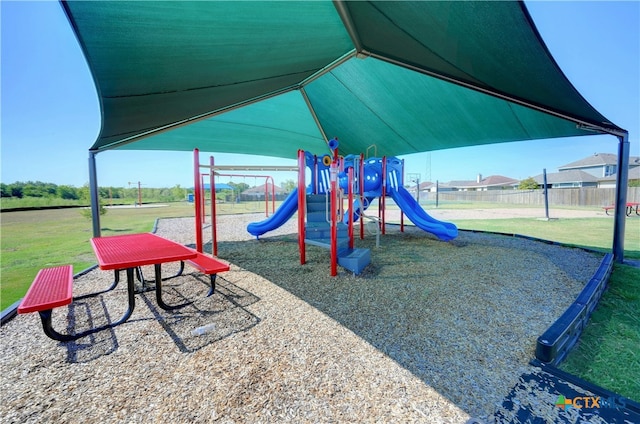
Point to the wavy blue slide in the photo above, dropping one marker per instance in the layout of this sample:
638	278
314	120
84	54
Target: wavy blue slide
443	230
282	215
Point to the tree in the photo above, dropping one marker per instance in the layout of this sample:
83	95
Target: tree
16	189
5	190
239	187
528	184
67	192
83	192
178	193
289	186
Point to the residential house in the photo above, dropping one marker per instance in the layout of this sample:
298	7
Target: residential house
610	181
258	192
567	179
493	182
598	170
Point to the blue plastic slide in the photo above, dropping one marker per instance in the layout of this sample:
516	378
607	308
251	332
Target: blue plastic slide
282	215
443	230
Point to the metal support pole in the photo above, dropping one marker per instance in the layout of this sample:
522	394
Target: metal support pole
93	194
333	176
350	208
197	198
361	190
622	177
334	218
214	223
302	193
384	194
546	193
402	185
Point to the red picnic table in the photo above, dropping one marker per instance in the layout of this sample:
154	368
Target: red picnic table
53	287
130	251
630	208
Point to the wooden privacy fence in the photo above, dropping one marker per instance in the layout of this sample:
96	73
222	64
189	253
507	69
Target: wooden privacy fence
585	196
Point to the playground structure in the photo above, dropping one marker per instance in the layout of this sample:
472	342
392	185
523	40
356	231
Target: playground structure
199	193
322	219
331	175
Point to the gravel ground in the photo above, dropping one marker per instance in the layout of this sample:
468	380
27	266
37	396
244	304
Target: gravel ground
430	332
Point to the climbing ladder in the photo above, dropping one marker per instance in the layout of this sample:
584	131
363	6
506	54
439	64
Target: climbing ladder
318	233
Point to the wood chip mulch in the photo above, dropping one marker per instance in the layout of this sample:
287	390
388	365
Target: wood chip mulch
430	332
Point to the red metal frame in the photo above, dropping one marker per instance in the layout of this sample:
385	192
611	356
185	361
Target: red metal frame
361	183
402	185
384	193
203	203
301	206
350	208
214	223
197	198
334	213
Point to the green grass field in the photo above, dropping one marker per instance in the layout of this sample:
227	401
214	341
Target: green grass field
606	354
35	239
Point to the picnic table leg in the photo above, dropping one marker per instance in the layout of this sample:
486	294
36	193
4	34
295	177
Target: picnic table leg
158	272
116	280
47	326
177	274
212	289
45	317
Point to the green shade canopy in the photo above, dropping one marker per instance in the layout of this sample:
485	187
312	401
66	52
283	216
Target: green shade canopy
269	78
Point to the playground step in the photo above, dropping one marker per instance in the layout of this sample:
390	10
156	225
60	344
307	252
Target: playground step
316	198
343	243
315	230
316	203
354	260
317	216
324	234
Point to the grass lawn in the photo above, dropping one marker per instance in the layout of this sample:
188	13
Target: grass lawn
591	233
607	353
32	240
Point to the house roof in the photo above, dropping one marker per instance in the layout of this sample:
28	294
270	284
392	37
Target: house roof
423	185
261	189
269	78
569	176
490	181
598	159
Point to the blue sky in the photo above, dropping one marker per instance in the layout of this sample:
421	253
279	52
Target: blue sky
50	113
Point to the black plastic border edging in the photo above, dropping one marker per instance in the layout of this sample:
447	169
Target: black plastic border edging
555	343
10	312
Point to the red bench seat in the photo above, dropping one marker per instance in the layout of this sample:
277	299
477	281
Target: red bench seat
52	287
210	266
